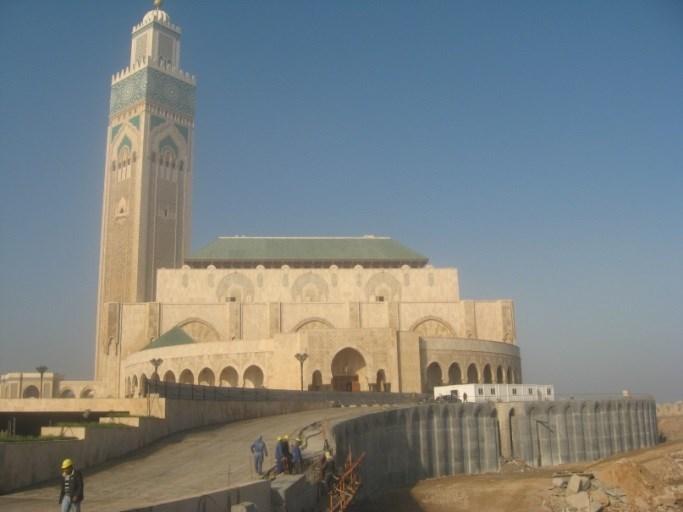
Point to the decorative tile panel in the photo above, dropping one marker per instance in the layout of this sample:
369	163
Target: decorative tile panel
156	87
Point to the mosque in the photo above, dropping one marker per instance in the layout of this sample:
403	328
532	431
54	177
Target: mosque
343	313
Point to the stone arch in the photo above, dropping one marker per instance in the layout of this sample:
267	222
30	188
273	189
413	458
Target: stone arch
186	377
206	377
513	433
434	376
488	377
509	376
313	323
515	377
381	380
253	377
472	374
454	374
88	393
433	326
169	377
31	392
229	377
309	287
384	285
134	386
143	385
67	393
500	375
199	330
347	365
316	381
235	286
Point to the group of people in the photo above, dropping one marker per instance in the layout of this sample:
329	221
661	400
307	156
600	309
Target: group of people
288	458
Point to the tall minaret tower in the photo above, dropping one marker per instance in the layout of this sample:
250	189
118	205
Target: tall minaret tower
147	178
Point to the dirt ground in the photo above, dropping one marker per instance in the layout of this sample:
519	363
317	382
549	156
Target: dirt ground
648	480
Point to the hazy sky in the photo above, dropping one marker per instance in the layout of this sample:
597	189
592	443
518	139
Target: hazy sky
536	146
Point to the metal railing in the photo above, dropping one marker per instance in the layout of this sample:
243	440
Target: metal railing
173	390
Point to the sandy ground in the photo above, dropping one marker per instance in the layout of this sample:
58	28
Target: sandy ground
650	479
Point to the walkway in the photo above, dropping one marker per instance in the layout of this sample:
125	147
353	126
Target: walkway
184	464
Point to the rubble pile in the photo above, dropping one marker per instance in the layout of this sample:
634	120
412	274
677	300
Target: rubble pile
638	490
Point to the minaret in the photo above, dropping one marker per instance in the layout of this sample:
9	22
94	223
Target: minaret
147	177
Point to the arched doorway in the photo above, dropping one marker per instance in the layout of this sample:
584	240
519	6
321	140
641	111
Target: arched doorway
488	378
206	377
67	393
433	376
169	377
472	374
253	377
316	381
31	392
87	393
381	381
186	377
229	377
454	374
346	367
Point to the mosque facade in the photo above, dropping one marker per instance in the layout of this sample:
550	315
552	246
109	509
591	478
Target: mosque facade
360	313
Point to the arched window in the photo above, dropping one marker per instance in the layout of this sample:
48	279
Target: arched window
472	374
454	374
499	375
206	377
169	376
229	377
253	377
186	377
433	376
488	378
316	381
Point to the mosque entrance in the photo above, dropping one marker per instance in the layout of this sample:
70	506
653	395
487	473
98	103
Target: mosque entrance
346	367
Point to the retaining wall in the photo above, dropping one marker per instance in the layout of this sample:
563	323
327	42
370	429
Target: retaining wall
406	445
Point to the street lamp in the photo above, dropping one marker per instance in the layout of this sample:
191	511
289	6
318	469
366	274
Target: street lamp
156	362
41	369
301	357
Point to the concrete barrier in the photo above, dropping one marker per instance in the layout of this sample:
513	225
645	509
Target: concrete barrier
220	500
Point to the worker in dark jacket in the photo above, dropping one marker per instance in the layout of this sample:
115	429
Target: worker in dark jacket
297	459
71	495
279	456
286	454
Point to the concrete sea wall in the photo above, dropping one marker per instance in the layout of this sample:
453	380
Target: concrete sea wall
405	445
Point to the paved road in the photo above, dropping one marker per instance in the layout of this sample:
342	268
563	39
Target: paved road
185	464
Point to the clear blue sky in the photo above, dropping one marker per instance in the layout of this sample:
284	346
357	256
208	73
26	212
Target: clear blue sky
535	145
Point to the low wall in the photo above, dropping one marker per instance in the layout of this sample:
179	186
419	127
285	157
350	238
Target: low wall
406	445
257	492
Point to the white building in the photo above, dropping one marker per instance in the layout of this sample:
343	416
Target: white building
496	392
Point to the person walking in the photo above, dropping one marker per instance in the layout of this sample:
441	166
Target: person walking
259	451
297	459
71	494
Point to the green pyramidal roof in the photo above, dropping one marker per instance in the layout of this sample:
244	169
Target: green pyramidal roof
321	250
175	336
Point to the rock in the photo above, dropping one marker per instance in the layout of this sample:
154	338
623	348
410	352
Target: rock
578	483
578	501
559	482
600	496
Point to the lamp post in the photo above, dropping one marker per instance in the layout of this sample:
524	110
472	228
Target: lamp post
156	362
41	369
301	357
